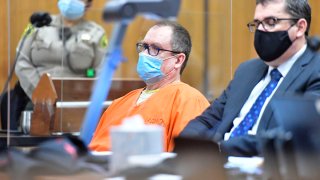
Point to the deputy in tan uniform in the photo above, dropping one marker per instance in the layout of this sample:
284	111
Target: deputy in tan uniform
70	46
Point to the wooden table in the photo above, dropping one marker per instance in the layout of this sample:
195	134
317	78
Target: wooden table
22	140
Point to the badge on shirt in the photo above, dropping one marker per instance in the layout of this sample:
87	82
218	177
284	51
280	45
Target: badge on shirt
85	37
103	41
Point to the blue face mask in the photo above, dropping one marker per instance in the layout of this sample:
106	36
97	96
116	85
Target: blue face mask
71	9
149	68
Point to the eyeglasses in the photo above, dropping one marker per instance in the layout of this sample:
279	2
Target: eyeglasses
268	23
152	49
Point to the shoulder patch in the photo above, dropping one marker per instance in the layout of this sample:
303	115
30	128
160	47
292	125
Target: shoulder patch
29	29
103	41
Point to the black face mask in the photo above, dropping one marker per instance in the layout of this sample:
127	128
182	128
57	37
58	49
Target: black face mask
271	45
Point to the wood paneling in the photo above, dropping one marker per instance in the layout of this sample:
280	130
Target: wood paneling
3	42
315	24
230	43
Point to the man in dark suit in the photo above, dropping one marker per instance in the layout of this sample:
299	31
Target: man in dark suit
286	66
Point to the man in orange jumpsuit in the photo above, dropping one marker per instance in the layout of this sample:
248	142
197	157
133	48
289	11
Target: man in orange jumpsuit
165	101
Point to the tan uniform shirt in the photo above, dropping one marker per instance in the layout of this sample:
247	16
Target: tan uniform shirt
44	52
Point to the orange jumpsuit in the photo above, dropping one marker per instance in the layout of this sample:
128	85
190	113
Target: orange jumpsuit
172	107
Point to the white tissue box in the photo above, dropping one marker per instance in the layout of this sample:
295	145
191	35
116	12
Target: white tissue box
134	139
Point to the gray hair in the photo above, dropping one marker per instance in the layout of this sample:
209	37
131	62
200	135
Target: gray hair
180	39
296	8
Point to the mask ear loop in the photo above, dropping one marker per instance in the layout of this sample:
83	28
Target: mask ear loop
176	58
290	28
165	75
292	41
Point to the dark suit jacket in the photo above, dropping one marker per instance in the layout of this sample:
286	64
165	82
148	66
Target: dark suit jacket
303	78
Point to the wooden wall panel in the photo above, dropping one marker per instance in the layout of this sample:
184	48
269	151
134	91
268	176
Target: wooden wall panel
230	43
242	38
220	45
3	42
315	22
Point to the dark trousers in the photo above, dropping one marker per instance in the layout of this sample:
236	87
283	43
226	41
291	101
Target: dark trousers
18	103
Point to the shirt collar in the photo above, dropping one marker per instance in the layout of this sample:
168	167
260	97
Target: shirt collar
286	66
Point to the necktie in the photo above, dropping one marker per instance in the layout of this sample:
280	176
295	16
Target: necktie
253	114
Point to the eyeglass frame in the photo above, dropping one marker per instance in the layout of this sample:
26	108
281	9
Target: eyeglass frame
147	46
256	23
